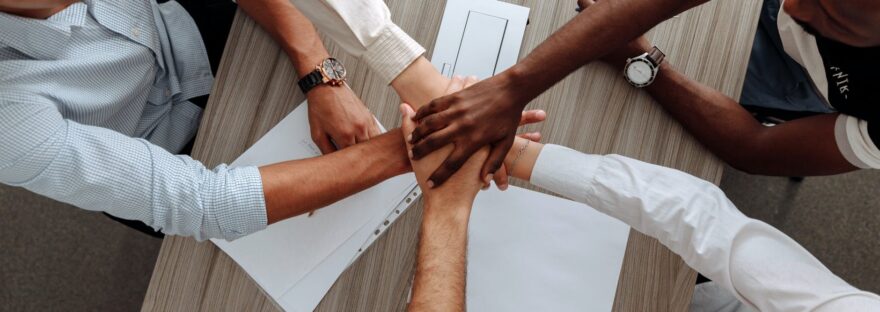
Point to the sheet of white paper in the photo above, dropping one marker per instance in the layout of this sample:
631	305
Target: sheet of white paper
480	38
309	292
280	256
529	251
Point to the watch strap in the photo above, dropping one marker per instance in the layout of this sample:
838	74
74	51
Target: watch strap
656	56
310	81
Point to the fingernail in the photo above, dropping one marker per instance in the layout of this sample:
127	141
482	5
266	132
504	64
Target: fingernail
409	138
502	187
489	177
410	154
430	184
541	114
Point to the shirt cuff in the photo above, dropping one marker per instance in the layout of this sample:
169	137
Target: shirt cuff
565	171
392	52
854	141
238	203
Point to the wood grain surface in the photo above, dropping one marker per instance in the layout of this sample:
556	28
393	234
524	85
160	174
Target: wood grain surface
593	110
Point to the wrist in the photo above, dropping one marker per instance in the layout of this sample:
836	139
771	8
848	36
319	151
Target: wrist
305	62
392	149
516	83
446	212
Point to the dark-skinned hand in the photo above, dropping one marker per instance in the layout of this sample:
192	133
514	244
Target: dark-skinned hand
485	114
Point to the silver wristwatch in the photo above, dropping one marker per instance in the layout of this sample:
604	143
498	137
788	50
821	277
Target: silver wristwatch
641	70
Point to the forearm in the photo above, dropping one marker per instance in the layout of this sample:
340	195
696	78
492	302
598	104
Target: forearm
296	187
291	29
419	83
440	279
733	134
593	33
694	219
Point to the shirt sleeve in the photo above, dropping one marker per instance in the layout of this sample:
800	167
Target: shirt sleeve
102	170
857	140
761	265
364	29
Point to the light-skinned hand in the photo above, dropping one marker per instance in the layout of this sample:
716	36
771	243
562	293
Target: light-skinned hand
337	115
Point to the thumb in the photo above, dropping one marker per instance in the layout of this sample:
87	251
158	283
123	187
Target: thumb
407	124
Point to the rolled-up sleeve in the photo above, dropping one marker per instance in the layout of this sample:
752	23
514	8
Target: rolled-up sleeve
102	170
759	264
364	29
857	140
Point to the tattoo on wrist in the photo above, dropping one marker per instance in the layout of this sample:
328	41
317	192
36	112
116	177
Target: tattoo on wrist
518	156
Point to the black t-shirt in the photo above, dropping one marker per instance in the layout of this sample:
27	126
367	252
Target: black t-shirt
853	81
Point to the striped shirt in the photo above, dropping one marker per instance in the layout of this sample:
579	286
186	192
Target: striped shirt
94	100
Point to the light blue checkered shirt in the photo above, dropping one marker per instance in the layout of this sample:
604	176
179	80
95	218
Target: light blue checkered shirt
91	102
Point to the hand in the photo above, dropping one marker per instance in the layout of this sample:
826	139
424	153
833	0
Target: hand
528	117
337	114
465	183
619	56
485	114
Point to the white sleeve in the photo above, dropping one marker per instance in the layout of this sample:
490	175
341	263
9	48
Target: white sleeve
364	29
762	266
855	142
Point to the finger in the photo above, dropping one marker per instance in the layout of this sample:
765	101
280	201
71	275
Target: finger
362	138
532	116
436	106
407	124
374	130
455	85
346	141
323	143
429	125
470	80
442	103
433	142
531	136
451	165
501	178
496	158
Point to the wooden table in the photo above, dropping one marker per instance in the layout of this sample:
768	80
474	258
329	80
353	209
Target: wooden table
593	110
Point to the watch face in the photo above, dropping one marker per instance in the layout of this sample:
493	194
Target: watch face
639	72
334	69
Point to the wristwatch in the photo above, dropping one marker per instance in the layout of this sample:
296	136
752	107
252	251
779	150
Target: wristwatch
330	71
641	70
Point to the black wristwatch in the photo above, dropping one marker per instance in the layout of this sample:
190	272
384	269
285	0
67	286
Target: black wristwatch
330	71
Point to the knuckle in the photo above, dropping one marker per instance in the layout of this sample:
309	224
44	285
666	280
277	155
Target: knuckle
434	105
431	141
418	150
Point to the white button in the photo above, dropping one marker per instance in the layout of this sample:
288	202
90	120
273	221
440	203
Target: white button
136	32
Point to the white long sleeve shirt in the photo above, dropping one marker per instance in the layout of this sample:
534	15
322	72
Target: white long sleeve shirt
762	266
364	29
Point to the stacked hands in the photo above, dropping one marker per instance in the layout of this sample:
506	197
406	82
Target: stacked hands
486	114
465	182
